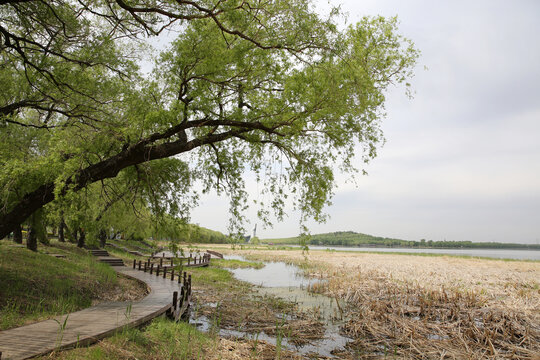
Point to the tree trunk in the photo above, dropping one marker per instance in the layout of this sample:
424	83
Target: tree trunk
82	238
143	151
61	230
102	238
31	241
73	236
17	234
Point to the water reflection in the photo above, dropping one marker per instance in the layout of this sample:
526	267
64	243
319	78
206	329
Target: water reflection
287	282
273	274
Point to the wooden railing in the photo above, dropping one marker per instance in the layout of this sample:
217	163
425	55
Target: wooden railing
188	261
215	253
180	304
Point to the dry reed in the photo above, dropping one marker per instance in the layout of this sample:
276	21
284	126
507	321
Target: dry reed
429	307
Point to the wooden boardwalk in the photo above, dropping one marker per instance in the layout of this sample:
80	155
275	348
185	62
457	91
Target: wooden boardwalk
89	325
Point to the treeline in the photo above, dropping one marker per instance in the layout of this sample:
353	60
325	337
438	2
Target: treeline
351	238
203	235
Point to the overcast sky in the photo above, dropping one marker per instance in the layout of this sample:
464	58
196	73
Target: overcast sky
462	159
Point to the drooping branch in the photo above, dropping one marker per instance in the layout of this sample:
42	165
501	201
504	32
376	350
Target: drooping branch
136	154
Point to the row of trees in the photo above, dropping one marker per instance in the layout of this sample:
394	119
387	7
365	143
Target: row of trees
265	86
350	238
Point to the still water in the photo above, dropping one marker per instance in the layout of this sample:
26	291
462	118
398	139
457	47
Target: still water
491	253
287	282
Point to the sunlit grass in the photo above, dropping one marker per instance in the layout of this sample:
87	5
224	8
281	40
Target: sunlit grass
161	339
236	264
35	285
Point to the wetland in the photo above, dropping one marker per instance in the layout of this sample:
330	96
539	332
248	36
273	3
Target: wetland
413	306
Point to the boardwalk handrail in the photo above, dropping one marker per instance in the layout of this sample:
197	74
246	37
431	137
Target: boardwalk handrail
215	253
167	261
179	305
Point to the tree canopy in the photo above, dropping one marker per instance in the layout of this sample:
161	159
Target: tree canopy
267	87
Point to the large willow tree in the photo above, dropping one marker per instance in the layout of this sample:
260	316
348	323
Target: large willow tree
265	86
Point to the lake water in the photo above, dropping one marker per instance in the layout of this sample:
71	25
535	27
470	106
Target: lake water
287	282
491	253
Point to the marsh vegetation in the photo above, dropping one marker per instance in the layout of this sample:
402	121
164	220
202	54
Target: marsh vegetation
427	307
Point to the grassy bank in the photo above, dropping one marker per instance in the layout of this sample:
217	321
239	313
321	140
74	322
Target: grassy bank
224	303
37	286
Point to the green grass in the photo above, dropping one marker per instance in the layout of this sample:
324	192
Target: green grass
161	339
35	286
124	255
212	276
236	264
134	245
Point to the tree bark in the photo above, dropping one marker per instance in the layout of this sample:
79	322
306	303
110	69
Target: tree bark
31	241
102	238
61	230
73	236
17	234
82	238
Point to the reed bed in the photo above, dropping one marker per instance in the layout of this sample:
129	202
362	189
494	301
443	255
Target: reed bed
385	318
428	307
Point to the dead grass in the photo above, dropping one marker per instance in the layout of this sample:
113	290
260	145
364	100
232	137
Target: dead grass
429	307
240	349
238	307
127	289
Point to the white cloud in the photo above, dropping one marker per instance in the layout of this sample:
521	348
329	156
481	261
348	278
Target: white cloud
462	159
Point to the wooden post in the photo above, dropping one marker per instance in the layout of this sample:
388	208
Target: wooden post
161	262
185	277
157	271
182	294
163	254
140	263
145	266
164	272
174	300
189	284
180	277
134	263
188	260
172	274
151	268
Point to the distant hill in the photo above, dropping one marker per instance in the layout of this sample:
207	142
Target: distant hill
351	238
